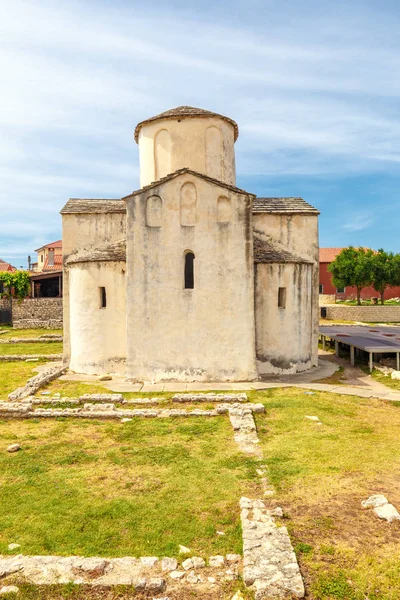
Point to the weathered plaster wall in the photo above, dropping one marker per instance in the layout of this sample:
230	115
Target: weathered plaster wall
84	231
206	333
36	313
298	234
205	145
98	335
283	335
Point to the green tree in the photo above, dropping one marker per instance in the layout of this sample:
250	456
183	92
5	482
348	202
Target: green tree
16	282
383	275
352	268
395	280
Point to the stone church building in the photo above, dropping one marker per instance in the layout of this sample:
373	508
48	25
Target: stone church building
190	278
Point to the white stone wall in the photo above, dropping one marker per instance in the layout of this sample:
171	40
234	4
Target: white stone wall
298	234
80	232
283	335
98	335
204	334
202	144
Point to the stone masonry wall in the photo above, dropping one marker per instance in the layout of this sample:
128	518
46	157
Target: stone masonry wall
369	314
35	313
4	303
325	299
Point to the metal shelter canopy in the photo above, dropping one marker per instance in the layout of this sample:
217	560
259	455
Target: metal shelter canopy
374	340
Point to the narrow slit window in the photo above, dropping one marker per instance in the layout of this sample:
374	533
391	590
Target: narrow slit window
189	271
282	297
103	297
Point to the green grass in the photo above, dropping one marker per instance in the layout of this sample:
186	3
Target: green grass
321	473
367	302
394	384
34	348
28	333
141	488
15	374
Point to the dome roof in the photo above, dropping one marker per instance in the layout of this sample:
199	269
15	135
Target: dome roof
185	112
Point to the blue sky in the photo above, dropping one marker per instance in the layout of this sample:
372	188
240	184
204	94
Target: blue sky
314	86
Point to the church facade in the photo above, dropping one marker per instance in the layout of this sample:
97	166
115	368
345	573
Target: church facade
190	278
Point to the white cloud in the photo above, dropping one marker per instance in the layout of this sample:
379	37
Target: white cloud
358	221
314	87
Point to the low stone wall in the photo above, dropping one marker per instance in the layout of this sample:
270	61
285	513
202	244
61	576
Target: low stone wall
368	314
325	299
37	313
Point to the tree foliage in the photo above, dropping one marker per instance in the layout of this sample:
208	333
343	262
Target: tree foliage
16	283
360	267
353	267
382	272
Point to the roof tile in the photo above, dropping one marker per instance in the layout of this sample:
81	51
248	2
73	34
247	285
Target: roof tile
289	205
93	206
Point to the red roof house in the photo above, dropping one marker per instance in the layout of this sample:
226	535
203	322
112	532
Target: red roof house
5	266
328	255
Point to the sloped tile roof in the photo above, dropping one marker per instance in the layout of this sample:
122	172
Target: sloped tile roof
57	244
57	263
268	251
185	112
222	184
290	205
328	255
5	266
115	251
93	205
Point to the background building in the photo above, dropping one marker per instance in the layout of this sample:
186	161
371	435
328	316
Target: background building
46	272
328	255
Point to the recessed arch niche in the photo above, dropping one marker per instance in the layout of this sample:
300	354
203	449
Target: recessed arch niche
224	210
162	154
154	211
188	204
213	152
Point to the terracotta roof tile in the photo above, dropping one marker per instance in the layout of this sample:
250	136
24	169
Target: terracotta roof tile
290	205
328	255
58	260
57	244
185	112
5	266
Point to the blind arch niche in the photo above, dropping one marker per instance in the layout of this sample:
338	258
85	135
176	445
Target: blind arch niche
188	204
162	154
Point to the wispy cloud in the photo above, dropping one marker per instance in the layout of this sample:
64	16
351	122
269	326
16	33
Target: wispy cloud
358	221
314	87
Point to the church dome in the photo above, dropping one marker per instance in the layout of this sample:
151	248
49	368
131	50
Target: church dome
185	112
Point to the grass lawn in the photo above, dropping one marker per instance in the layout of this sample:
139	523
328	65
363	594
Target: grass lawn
15	374
385	379
28	333
112	489
34	348
322	472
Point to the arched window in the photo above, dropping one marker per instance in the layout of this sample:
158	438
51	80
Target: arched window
189	271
